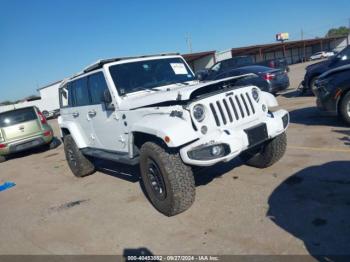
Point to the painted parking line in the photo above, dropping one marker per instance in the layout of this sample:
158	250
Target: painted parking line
324	149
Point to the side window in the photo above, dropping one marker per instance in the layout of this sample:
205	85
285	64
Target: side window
70	94
225	64
346	53
97	85
81	93
63	94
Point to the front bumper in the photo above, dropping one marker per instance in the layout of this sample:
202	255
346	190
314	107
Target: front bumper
325	100
25	144
327	105
236	139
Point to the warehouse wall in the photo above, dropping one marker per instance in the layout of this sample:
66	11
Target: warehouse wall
202	63
219	56
49	97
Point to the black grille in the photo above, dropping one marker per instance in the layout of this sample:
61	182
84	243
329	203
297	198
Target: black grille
233	108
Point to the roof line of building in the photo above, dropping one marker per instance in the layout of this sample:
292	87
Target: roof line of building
288	42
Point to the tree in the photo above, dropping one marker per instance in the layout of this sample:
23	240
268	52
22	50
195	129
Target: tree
340	31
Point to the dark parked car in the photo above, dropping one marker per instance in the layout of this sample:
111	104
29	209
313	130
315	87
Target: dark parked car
236	62
333	92
267	79
315	70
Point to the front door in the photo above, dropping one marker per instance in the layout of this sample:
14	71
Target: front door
107	128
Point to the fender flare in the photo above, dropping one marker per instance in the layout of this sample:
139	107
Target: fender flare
75	132
179	130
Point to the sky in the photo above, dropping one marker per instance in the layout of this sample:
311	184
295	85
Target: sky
44	41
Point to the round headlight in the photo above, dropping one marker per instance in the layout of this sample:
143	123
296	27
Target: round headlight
199	112
255	94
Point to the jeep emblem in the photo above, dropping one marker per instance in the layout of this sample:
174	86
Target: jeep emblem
229	94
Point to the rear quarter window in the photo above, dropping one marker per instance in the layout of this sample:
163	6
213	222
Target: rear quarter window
17	116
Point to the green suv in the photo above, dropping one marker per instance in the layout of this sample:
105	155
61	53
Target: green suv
23	129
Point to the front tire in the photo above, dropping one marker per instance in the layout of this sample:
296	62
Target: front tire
78	163
168	182
268	154
2	159
344	108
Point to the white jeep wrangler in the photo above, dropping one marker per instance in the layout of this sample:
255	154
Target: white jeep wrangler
152	111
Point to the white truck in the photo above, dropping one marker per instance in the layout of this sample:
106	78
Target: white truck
152	111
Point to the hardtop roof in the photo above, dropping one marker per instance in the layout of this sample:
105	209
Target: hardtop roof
99	63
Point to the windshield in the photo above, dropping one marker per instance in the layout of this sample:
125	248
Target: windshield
149	74
18	116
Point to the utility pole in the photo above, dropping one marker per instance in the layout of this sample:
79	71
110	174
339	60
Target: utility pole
347	39
302	34
189	42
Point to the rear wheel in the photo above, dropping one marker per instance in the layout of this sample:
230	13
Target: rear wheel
78	163
2	159
344	108
267	154
169	183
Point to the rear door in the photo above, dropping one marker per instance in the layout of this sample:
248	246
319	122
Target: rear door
19	124
77	108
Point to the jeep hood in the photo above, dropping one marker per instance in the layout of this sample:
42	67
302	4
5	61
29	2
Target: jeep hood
173	94
320	66
335	70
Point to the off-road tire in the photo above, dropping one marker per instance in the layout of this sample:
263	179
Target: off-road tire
268	154
343	108
177	178
78	163
2	159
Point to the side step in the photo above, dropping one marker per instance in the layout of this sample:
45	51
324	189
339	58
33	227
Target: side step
112	156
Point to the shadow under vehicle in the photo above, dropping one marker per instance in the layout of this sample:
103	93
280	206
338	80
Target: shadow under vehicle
314	206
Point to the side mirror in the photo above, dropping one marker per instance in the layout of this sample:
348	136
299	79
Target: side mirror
107	99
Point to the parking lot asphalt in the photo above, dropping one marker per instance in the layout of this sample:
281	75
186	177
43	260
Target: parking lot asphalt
298	206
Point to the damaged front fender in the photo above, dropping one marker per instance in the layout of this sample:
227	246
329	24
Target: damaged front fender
179	130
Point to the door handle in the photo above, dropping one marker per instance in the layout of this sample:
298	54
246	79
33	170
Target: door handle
75	114
92	113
